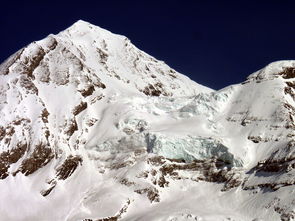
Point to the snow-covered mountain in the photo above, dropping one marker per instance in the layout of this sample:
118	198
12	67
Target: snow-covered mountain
92	129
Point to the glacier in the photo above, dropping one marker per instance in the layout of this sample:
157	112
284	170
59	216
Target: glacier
94	129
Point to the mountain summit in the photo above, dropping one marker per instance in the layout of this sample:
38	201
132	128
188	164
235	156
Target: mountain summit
92	129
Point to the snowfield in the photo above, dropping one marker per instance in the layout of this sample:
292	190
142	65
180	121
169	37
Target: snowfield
94	129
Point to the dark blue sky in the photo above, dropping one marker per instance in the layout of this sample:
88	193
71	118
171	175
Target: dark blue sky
216	43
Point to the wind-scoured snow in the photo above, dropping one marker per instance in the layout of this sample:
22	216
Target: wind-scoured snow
92	128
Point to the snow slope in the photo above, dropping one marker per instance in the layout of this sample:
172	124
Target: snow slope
92	128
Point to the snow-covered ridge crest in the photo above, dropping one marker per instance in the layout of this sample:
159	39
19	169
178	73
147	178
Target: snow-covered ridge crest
273	70
127	63
93	128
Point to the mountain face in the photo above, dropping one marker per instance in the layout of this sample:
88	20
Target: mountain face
92	129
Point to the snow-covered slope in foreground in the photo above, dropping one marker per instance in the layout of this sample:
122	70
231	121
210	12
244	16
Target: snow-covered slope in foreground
92	128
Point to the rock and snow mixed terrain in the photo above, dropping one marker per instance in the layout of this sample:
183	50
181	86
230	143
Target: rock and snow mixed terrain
92	129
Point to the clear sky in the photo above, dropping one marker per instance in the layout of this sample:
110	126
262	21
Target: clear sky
215	43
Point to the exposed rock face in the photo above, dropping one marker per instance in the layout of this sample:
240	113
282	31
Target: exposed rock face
40	156
10	157
68	167
95	129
